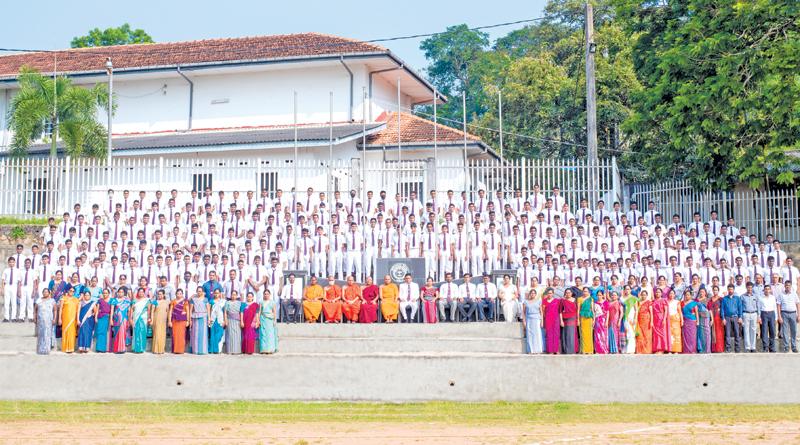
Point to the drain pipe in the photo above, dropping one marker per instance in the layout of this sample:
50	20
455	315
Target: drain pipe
349	110
398	67
191	97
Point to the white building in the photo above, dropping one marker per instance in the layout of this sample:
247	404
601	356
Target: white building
231	102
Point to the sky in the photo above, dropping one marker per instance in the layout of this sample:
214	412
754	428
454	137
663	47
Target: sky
51	24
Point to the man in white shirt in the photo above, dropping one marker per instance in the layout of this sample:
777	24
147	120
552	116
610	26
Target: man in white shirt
290	300
467	301
487	299
409	299
10	287
448	298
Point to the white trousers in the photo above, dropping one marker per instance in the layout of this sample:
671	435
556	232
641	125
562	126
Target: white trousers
25	304
10	302
414	305
430	264
354	262
318	264
335	264
750	327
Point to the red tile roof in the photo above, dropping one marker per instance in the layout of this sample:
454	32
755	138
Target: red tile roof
414	129
187	53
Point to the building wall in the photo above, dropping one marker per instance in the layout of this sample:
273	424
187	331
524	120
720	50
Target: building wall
256	96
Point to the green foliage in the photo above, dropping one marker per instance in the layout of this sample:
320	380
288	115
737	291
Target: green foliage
686	89
72	110
17	233
11	221
721	102
121	35
540	71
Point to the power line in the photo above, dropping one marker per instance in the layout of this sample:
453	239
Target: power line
106	50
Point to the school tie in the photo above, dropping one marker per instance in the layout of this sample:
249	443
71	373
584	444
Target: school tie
485	291
409	292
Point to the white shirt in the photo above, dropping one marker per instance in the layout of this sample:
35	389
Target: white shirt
409	291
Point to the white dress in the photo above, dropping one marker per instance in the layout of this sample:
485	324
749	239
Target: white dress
509	303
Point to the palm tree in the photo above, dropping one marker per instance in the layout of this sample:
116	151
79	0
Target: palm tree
70	111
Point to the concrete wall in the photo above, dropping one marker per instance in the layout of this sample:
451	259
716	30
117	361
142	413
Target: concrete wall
236	97
402	377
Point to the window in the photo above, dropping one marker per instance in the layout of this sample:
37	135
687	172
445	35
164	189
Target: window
200	181
268	181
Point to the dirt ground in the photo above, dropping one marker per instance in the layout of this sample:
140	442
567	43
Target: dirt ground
35	432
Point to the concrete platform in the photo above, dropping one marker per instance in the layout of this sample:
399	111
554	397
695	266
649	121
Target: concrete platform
353	338
401	377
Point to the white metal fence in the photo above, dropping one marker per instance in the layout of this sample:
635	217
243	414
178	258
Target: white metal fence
43	187
762	212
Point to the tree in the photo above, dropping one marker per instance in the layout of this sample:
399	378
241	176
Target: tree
122	35
721	90
70	111
453	55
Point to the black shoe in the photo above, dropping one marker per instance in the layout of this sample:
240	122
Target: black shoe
5	321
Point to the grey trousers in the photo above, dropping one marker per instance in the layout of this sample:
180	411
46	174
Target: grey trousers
750	330
789	330
444	304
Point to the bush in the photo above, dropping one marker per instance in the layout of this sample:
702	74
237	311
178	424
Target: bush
17	233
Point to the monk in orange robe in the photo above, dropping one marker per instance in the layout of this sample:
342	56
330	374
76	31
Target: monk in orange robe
332	304
351	305
390	305
312	301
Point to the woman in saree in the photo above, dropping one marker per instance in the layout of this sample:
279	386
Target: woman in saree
550	319
644	324
428	295
159	313
120	308
568	319
600	309
532	323
661	289
660	311
140	320
102	319
86	322
264	319
630	319
704	323
614	323
44	316
177	321
58	288
250	322
68	320
675	323
717	328
690	322
216	320
586	316
369	303
390	305
234	324
199	323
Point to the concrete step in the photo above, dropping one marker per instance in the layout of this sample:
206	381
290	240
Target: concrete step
375	330
400	344
355	345
402	330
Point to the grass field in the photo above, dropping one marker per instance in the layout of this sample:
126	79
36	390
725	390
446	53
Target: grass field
435	412
412	423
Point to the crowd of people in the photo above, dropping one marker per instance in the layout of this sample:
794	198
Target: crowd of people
206	270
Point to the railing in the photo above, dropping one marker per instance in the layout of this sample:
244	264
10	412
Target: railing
43	187
762	212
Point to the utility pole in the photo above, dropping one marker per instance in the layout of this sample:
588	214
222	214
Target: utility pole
591	104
